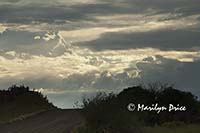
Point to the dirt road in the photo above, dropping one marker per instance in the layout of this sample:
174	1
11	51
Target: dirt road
56	121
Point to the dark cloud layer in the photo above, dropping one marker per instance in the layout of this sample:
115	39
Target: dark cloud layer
14	13
36	13
161	39
184	75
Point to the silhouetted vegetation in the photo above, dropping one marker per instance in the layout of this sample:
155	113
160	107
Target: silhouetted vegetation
19	101
108	113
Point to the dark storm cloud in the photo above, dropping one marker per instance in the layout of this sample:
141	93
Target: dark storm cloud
10	1
14	13
58	14
51	14
185	75
161	39
138	6
183	7
36	13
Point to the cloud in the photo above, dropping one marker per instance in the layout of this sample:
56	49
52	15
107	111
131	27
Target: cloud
46	2
83	69
60	11
151	69
87	72
93	19
185	75
2	28
165	39
34	43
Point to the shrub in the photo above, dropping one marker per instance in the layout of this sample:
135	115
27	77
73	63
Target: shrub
108	112
102	114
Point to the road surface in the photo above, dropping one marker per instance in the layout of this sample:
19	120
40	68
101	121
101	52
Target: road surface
55	121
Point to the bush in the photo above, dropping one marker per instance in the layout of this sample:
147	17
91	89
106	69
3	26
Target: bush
102	114
108	112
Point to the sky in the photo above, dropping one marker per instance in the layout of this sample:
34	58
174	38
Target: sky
68	49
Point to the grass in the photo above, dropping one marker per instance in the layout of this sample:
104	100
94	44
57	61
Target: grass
193	128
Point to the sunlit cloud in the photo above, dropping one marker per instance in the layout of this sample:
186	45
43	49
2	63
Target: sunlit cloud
2	28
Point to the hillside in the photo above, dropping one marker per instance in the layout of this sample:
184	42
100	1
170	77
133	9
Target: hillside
19	102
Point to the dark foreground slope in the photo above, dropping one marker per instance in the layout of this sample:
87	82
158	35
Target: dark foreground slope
54	121
23	110
18	102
